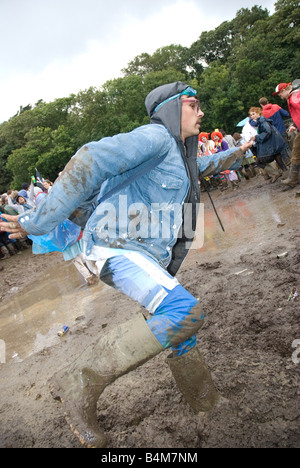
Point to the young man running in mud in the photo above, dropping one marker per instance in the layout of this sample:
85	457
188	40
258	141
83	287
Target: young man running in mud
141	191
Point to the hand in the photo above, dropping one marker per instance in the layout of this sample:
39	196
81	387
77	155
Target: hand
12	226
246	146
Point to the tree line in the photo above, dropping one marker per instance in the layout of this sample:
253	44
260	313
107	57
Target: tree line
231	67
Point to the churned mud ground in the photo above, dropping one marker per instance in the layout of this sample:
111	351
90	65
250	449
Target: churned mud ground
248	340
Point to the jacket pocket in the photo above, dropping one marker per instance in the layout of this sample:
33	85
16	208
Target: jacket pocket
166	180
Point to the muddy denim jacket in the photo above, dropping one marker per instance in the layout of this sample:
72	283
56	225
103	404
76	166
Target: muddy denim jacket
146	215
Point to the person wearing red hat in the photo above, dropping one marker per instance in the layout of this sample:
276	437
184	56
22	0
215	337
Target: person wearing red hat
292	95
280	88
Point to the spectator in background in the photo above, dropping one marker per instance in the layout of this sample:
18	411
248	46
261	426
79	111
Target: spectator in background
229	139
220	143
47	185
6	208
21	200
11	195
269	144
249	130
275	113
205	145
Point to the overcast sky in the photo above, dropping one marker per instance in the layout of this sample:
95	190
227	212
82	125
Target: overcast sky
52	48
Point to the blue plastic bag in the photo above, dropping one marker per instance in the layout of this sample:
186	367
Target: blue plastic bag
64	235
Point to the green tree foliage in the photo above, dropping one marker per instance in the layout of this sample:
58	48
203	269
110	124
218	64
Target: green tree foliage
231	66
23	139
174	57
257	51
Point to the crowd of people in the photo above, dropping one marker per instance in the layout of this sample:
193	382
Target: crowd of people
14	203
220	141
270	155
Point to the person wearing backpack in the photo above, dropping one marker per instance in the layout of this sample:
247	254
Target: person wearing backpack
268	144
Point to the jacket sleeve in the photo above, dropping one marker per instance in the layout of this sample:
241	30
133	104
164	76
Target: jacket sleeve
265	132
89	168
284	113
222	161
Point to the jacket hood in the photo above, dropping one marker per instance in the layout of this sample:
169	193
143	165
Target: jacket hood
169	113
163	105
268	107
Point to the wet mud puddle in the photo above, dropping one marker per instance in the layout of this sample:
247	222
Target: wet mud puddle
30	321
247	223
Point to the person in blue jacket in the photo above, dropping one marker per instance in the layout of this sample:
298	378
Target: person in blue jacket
268	143
277	114
137	195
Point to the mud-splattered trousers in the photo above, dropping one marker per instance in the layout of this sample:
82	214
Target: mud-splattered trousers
176	314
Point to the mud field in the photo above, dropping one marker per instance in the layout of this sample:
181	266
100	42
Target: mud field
247	339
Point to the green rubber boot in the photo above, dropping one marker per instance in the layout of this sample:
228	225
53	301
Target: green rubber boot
80	385
194	380
293	177
196	385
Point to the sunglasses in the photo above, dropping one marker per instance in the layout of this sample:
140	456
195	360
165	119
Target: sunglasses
195	102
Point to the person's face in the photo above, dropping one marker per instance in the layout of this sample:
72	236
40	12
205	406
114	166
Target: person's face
21	200
204	139
46	185
216	138
284	93
254	115
191	116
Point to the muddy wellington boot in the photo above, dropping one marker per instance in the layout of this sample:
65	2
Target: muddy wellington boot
265	174
80	385
5	253
194	381
196	385
293	177
273	172
252	171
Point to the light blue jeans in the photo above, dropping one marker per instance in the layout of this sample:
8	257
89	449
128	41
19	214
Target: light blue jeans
176	314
